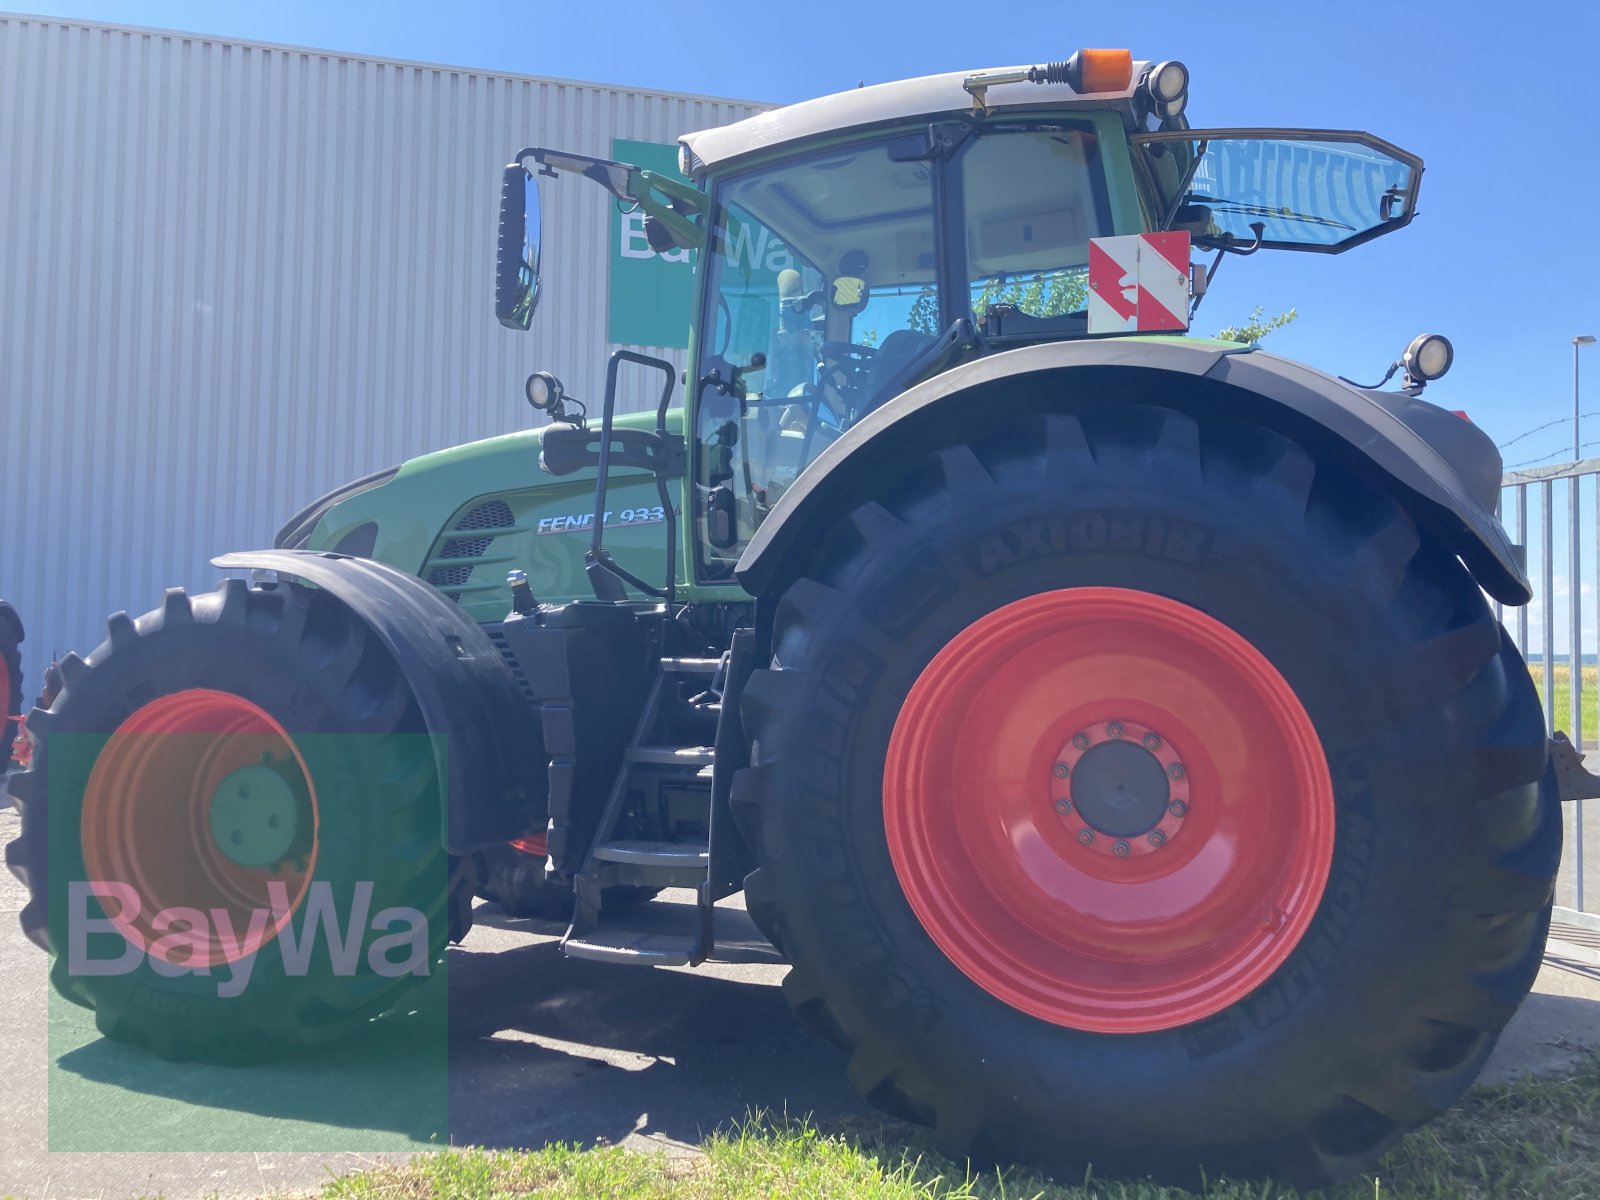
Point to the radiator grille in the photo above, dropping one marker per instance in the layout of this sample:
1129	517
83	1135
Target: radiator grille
491	514
453	578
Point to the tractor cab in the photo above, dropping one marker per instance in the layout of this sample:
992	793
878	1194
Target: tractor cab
854	246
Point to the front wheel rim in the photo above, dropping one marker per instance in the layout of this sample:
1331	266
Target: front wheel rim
1190	859
151	827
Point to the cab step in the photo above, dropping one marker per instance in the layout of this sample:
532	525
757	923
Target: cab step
655	854
651	864
629	947
672	931
691	666
672	756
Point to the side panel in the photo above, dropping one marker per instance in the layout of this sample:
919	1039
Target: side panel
461	518
1257	386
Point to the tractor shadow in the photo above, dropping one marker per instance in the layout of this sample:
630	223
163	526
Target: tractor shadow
514	1045
549	1049
383	1089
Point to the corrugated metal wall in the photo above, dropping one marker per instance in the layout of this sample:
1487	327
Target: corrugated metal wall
236	275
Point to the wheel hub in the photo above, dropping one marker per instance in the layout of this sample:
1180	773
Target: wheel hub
1120	788
255	816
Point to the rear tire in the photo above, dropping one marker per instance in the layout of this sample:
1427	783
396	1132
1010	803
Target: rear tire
1419	947
283	677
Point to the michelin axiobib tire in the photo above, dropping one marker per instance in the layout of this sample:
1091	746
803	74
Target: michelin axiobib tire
1139	791
252	756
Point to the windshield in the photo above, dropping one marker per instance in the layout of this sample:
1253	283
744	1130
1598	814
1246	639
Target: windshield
822	295
1299	190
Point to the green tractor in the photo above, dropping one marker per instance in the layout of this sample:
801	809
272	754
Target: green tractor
1109	727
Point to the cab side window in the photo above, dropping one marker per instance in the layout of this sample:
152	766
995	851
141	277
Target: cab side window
1034	196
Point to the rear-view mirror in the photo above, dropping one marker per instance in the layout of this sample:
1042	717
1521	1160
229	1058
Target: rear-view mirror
516	288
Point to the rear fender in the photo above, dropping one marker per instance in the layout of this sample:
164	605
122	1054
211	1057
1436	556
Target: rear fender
1448	485
486	735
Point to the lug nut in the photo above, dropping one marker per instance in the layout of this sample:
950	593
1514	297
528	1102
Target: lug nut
1158	839
1120	849
1152	742
1063	807
1114	729
1080	741
1175	770
1177	808
1086	836
1061	770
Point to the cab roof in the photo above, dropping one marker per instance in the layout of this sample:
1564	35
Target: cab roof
928	96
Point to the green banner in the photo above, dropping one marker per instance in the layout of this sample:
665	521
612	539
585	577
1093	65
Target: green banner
651	293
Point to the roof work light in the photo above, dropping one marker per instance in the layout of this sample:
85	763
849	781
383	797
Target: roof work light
1427	357
1167	85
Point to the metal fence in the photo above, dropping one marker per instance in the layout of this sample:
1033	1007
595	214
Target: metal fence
1554	513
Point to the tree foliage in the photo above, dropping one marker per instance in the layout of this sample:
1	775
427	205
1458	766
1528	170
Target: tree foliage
1254	329
1056	293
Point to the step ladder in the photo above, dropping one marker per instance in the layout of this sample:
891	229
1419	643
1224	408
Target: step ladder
652	933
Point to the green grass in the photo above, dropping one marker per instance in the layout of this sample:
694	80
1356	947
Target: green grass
1533	1140
1562	691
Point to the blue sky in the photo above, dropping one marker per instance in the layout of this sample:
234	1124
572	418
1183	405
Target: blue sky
1498	99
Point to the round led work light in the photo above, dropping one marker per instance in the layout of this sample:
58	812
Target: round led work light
1168	86
1428	357
543	391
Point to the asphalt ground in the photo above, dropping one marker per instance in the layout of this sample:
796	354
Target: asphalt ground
539	1048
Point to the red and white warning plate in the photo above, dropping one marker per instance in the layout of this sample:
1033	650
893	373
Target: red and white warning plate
1139	283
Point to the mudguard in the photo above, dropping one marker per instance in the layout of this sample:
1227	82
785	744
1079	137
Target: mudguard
486	734
1447	495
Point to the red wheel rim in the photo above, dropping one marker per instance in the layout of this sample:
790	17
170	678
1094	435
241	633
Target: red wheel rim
1019	879
146	826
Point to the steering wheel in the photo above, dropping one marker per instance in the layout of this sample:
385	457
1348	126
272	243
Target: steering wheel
844	367
844	352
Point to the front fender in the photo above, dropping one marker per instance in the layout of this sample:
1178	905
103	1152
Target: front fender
486	736
1447	495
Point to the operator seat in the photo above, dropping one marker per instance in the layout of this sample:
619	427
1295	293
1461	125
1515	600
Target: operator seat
891	370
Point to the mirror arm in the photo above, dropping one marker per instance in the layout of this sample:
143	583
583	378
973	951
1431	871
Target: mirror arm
643	187
1183	185
1256	227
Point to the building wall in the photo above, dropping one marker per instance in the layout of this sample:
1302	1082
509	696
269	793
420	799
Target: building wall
236	275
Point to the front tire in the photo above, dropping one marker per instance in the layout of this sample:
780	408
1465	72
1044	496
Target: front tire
10	681
1008	1001
250	754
